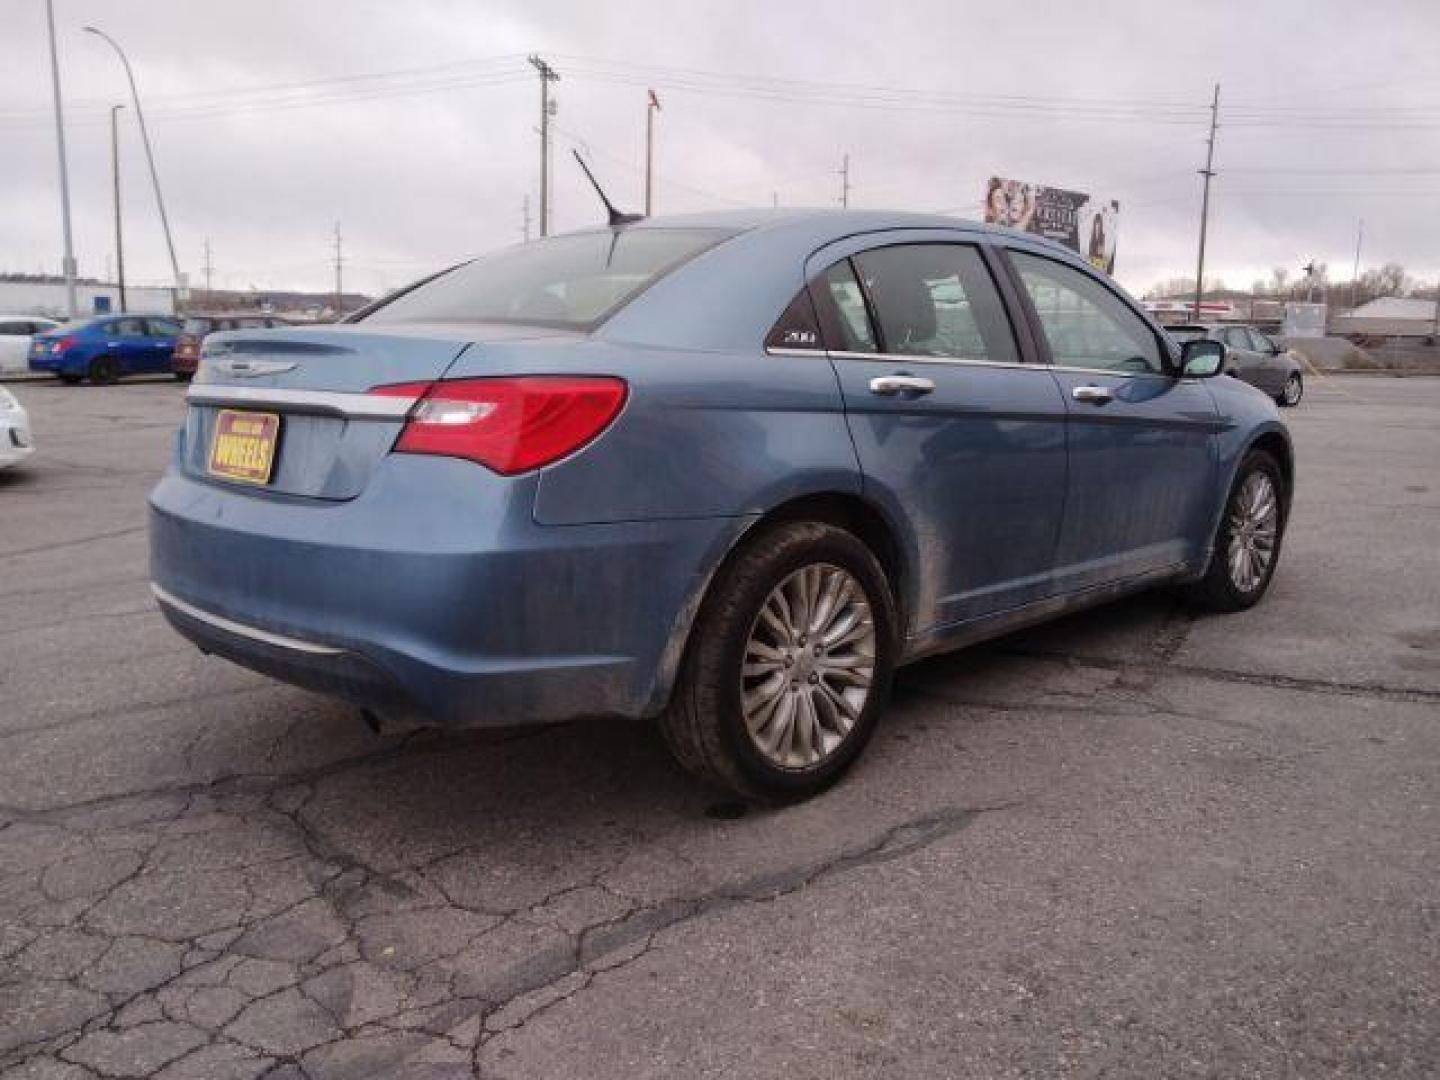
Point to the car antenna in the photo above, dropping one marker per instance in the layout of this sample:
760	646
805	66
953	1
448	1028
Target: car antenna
617	219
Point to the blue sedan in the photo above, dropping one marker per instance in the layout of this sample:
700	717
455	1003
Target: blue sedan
726	471
102	350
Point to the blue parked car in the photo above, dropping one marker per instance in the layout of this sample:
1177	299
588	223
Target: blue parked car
104	349
727	471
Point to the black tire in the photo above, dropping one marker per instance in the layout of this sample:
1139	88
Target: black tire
1294	390
70	380
1217	590
705	726
104	370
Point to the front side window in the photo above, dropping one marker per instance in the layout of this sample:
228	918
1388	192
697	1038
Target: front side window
1085	324
936	300
163	328
569	282
127	328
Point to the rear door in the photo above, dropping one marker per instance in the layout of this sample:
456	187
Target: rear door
129	343
955	432
1140	439
160	337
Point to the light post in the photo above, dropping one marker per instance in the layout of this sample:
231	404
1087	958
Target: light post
115	181
149	154
69	264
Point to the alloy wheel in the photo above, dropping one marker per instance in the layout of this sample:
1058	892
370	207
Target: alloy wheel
1293	390
809	663
1254	525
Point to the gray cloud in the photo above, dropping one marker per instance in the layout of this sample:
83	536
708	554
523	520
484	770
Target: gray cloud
429	166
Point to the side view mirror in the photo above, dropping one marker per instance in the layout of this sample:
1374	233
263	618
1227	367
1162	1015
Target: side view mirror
1201	359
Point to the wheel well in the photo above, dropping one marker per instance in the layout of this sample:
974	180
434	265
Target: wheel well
855	515
1276	446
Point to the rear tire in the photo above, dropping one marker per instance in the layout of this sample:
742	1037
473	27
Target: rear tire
1294	390
1248	539
104	370
776	708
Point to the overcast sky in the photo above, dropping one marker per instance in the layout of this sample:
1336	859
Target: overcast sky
412	124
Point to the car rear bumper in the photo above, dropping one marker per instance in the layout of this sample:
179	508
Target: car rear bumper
458	611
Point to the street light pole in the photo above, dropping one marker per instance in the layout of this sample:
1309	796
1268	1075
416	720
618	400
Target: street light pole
115	180
651	108
69	263
149	153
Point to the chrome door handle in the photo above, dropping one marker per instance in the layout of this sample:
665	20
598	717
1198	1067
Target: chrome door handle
1095	395
887	385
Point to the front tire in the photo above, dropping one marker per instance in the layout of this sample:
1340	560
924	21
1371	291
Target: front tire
1247	542
1294	390
788	666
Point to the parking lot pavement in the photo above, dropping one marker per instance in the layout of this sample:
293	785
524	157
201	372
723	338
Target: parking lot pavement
1132	844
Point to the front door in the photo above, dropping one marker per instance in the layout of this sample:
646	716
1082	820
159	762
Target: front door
955	433
1140	439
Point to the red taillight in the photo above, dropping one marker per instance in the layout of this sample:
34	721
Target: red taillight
511	425
63	344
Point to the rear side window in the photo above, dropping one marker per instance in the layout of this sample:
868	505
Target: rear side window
843	290
936	300
568	282
1086	325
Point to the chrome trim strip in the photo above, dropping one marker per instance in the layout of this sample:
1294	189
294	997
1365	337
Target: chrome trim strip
780	351
240	629
956	361
328	402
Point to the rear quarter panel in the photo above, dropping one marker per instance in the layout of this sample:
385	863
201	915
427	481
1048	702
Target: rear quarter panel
723	433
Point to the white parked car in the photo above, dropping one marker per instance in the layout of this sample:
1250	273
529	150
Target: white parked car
15	334
15	445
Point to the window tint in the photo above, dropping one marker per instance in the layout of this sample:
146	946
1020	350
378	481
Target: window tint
936	300
163	327
1085	324
1258	341
844	292
126	328
564	281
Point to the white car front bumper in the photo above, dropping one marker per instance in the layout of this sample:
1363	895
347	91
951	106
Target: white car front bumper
15	444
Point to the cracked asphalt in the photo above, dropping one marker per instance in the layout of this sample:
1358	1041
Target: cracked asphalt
1133	843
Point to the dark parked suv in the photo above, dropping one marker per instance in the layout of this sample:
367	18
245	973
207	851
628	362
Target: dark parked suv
186	357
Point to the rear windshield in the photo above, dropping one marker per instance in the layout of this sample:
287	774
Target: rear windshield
570	282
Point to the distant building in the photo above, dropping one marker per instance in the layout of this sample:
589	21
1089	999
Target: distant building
1388	316
48	298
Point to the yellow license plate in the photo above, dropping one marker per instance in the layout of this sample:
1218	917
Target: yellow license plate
243	446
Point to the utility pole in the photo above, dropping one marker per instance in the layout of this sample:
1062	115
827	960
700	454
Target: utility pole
115	181
845	181
1355	274
547	76
339	286
69	262
149	156
525	211
651	108
1208	173
209	271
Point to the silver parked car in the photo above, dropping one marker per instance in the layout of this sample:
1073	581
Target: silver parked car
1252	357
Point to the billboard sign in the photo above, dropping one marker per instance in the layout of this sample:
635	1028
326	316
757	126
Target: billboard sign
1083	224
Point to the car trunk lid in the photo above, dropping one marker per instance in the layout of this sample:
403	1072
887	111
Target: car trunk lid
289	412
